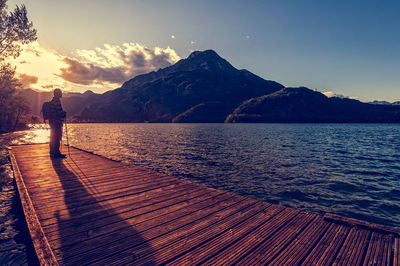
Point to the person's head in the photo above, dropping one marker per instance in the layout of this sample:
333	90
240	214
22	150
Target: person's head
57	93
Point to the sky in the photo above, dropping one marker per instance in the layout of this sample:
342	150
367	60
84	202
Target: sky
349	48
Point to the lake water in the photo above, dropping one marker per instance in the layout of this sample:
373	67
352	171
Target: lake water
347	169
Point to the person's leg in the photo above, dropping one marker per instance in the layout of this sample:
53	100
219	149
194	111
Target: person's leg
58	136
52	139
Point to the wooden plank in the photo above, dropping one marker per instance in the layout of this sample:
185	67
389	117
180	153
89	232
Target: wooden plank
328	246
90	204
211	224
159	205
92	208
362	224
45	165
209	248
372	251
396	253
268	249
43	250
86	180
113	184
141	228
130	190
44	158
46	169
122	204
90	173
354	245
231	254
166	233
378	252
58	185
137	218
162	254
85	196
119	235
298	249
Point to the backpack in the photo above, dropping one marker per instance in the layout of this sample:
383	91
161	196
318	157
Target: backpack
46	111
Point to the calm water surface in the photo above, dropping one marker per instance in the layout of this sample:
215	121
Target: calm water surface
347	169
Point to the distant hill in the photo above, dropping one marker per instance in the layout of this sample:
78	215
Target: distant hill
302	105
385	103
73	103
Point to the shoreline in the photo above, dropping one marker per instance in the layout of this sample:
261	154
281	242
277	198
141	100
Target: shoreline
15	245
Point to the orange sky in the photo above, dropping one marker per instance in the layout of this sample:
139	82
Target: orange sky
99	69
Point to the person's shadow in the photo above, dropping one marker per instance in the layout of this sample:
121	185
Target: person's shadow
82	228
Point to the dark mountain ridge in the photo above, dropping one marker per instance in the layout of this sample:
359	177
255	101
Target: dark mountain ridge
385	102
302	105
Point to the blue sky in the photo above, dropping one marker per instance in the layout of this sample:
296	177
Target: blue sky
347	47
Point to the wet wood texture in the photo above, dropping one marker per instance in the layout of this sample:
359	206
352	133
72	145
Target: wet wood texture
88	209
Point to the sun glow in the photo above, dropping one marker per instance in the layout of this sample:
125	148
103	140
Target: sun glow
35	61
98	69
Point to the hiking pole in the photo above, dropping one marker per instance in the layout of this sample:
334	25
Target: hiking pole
66	134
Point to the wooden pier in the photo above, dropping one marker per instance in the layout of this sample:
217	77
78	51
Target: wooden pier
87	209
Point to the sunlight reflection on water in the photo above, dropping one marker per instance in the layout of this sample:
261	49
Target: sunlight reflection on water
39	133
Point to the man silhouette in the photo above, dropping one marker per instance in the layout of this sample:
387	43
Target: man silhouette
57	116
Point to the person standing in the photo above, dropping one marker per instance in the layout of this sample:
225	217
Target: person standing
56	120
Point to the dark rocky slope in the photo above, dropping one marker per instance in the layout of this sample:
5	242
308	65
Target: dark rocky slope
302	105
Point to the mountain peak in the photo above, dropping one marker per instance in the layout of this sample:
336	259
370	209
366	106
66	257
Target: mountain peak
88	92
209	53
207	60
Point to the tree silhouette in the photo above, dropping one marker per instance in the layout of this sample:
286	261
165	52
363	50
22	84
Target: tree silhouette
15	31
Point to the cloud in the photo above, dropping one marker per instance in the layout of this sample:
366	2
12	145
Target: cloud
87	74
35	49
50	86
37	61
247	37
27	80
99	69
330	94
115	64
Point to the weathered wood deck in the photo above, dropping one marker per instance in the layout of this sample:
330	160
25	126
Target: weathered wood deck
92	210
